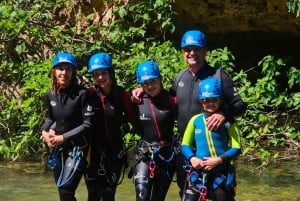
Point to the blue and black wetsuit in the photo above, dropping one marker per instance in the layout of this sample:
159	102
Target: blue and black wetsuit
155	165
71	113
223	143
185	88
108	154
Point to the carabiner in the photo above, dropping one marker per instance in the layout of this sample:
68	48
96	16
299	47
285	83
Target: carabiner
152	166
203	193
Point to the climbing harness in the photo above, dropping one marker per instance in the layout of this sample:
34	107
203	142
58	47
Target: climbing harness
203	188
52	161
123	156
69	167
176	143
198	180
105	167
150	152
227	180
198	183
187	166
152	164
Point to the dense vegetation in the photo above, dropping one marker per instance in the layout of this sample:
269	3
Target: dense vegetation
32	31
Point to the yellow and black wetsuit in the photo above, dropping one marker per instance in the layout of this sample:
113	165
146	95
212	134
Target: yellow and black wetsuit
224	143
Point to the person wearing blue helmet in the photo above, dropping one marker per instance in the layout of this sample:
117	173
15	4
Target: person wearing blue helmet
155	158
67	125
212	174
113	108
185	88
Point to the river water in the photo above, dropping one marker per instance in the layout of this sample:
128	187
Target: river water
25	181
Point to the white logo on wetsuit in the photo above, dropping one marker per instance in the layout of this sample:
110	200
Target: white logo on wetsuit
142	117
53	103
198	131
180	84
89	111
89	108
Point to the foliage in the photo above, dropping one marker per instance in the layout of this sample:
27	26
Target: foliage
137	31
273	110
272	117
294	7
30	35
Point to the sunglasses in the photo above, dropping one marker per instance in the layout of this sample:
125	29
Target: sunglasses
210	100
189	49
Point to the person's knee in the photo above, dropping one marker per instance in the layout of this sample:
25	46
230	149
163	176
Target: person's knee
141	192
221	194
108	194
141	186
93	192
66	194
141	181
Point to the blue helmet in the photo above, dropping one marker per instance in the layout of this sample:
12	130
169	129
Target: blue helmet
99	61
193	38
210	88
147	70
64	57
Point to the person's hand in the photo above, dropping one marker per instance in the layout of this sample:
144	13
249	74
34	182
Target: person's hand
210	163
196	163
215	120
136	95
57	140
47	136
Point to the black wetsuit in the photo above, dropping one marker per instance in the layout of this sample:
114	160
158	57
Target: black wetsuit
155	158
70	112
108	154
185	88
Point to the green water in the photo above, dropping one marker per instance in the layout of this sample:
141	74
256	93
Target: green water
26	182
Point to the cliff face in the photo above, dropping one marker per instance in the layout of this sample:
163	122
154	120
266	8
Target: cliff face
251	29
217	16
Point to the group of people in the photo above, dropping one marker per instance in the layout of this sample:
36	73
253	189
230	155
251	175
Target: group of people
83	128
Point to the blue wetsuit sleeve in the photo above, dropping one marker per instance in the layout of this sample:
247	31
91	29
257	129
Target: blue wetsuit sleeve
188	139
235	142
187	151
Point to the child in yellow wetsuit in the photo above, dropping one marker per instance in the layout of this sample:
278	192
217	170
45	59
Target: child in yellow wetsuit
211	175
